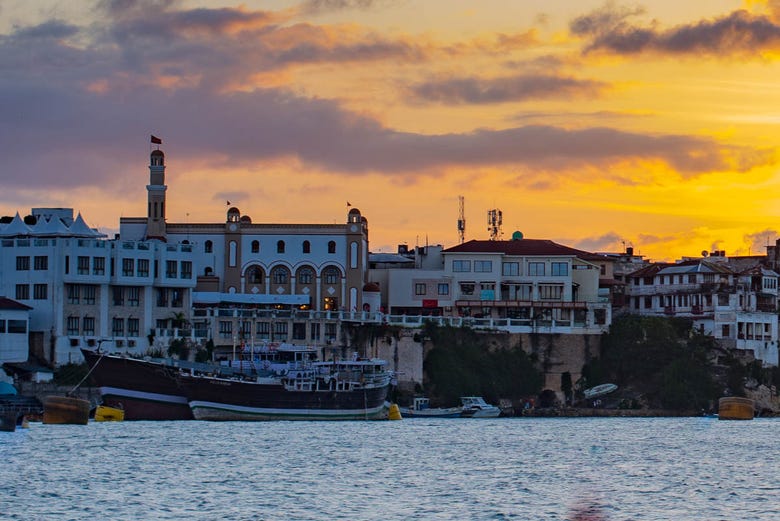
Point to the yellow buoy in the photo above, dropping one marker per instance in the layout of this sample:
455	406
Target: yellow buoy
394	413
104	413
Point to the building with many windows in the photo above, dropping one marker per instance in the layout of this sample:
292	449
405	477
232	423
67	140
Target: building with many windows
260	281
736	306
521	285
84	289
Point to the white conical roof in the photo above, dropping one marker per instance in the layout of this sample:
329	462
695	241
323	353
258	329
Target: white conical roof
16	228
54	227
80	229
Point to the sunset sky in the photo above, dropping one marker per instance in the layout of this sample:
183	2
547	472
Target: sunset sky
594	124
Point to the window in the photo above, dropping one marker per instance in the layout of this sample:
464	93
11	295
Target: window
263	329
99	265
22	292
2	326
118	326
88	325
208	247
132	326
467	288
550	292
559	269
331	275
419	288
461	266
305	276
128	267
41	263
255	246
280	330
119	296
536	269
444	288
186	269
89	294
330	304
176	298
331	246
299	331
170	269
133	296
22	263
162	297
40	291
510	269
306	247
225	329
255	276
279	275
17	326
82	268
73	326
280	247
73	293
143	267
483	266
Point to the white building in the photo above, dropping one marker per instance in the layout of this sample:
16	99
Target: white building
737	307
521	285
14	328
84	289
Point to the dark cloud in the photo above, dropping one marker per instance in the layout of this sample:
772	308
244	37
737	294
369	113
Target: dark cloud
738	33
76	116
603	243
320	6
475	90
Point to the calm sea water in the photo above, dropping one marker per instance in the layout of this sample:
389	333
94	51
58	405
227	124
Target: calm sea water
518	468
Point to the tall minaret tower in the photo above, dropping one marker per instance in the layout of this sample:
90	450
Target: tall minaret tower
155	216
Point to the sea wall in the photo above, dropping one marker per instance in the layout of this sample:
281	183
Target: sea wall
405	351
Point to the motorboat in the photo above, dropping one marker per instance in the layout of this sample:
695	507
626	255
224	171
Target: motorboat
477	407
599	390
421	408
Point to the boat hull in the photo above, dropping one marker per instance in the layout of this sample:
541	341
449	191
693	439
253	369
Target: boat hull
65	410
454	412
217	399
736	408
144	390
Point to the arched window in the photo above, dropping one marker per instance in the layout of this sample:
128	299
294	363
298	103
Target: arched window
279	275
331	246
280	247
255	276
208	247
306	247
255	246
331	275
208	271
305	276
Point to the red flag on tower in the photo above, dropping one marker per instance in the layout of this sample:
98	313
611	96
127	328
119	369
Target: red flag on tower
156	140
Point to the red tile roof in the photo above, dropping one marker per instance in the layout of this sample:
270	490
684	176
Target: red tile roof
7	303
527	247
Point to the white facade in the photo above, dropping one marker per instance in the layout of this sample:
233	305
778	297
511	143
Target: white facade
85	290
14	328
737	308
520	286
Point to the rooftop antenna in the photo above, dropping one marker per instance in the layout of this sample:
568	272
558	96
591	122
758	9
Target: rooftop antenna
461	219
495	220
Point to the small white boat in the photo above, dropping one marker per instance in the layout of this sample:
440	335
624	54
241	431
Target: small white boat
476	407
421	408
599	390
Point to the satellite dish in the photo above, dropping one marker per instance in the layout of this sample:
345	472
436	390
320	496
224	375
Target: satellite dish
704	253
516	236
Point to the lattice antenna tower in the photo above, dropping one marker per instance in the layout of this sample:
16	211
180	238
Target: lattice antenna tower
495	219
461	219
